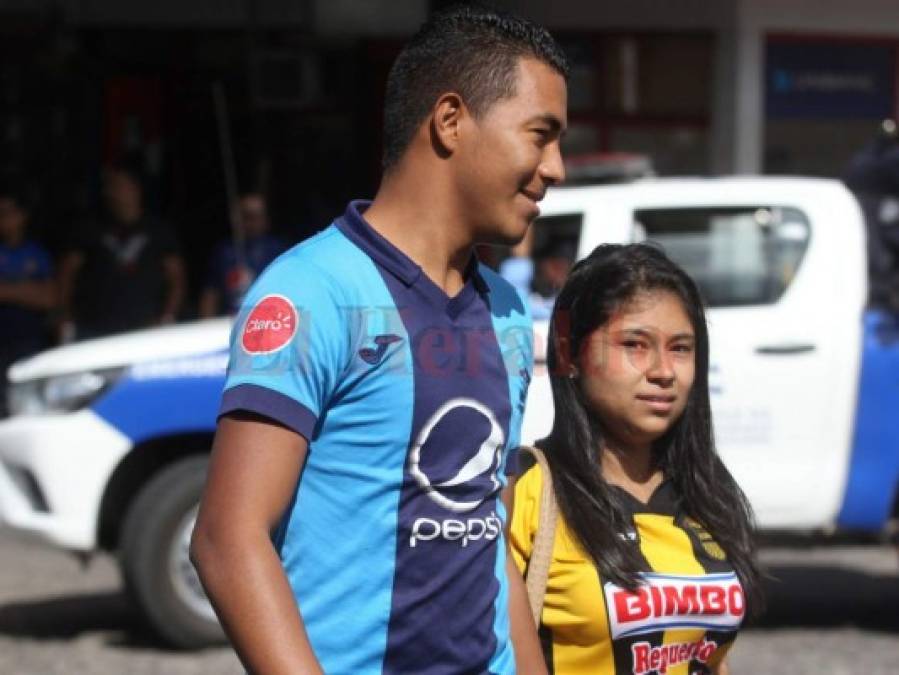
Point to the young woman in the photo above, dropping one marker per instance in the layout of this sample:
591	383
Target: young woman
653	565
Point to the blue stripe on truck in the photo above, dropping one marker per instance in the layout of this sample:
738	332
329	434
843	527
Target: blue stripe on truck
874	466
166	397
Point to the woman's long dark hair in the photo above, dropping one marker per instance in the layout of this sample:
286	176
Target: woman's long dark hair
597	287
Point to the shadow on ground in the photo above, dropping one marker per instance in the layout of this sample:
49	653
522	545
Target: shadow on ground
817	597
70	616
798	597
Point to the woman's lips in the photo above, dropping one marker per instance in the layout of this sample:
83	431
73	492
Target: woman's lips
657	403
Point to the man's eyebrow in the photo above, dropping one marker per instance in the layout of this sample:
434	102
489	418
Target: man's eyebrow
554	123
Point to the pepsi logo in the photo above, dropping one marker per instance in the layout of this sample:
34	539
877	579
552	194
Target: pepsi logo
272	323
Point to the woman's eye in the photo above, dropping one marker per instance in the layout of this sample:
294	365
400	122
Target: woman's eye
634	344
683	349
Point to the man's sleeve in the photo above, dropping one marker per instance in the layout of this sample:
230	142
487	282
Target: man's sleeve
289	347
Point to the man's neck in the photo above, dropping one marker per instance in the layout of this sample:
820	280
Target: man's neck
125	223
423	224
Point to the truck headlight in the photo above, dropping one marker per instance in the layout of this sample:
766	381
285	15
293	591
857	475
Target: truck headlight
62	393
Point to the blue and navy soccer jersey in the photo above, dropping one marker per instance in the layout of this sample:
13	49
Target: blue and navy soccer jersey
411	402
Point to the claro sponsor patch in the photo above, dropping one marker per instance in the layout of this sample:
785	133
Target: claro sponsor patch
662	602
272	323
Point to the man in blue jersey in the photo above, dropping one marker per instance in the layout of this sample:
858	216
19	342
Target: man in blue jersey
352	519
27	292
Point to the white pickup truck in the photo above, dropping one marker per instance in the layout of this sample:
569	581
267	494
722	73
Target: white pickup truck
107	443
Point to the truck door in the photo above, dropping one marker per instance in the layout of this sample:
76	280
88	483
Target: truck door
784	287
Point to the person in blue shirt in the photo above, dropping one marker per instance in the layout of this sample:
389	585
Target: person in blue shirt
234	267
353	516
27	290
541	277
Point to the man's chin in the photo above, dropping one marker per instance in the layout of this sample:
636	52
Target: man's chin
505	235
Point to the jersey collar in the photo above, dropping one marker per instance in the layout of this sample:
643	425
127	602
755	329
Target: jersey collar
388	256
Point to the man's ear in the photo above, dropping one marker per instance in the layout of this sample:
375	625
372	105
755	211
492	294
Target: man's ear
446	123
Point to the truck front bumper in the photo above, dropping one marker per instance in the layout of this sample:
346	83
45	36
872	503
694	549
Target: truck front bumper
53	472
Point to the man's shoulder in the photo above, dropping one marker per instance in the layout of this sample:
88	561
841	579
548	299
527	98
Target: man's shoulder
320	267
502	290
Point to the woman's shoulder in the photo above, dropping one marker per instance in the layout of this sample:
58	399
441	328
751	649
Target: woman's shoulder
530	475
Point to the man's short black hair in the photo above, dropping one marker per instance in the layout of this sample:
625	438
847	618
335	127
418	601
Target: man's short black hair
469	49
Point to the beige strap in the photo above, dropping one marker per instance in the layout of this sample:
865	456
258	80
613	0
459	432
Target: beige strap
544	539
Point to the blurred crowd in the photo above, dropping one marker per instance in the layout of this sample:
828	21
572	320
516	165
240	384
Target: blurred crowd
123	271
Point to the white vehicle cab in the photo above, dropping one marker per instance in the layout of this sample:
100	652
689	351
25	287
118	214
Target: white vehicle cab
107	445
804	382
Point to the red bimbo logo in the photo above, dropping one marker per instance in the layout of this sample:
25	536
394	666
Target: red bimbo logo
711	602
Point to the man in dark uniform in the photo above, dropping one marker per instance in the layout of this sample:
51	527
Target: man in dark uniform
124	275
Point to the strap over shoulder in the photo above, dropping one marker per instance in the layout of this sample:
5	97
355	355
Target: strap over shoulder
544	539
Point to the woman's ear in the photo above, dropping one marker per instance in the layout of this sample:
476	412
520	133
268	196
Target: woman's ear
566	364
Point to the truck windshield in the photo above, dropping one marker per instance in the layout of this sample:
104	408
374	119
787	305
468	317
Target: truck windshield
738	256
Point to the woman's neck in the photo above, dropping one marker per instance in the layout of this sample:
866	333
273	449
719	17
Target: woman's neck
630	467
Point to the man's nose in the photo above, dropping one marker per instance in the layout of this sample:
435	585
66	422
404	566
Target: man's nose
552	168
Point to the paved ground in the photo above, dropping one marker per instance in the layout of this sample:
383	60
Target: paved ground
834	611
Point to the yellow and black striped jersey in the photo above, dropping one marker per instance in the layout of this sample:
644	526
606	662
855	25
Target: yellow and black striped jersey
682	619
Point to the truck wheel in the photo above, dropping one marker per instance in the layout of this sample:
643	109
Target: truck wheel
154	558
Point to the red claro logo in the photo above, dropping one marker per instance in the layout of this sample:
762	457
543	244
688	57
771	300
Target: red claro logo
271	325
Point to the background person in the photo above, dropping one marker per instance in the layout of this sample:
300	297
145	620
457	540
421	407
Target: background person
377	382
643	497
230	274
873	176
27	291
539	275
125	273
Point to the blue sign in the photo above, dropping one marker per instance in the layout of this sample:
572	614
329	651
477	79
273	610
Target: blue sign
829	81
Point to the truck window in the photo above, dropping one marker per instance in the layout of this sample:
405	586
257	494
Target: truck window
738	256
561	231
539	265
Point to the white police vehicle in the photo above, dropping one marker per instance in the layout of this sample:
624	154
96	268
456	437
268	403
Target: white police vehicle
107	445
